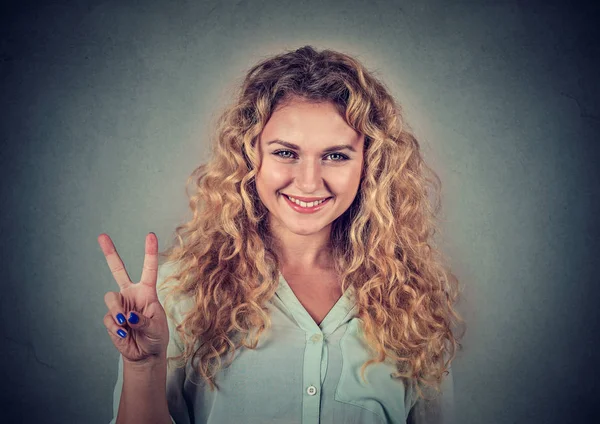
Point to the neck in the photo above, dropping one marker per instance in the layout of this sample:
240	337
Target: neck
298	251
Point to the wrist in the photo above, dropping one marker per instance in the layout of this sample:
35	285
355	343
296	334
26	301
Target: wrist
148	364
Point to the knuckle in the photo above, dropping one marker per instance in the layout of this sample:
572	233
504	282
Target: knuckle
109	296
118	268
112	300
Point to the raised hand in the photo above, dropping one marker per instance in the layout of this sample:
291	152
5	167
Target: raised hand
136	321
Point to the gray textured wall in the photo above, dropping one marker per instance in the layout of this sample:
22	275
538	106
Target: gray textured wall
106	107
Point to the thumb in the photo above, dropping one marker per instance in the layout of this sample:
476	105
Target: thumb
138	321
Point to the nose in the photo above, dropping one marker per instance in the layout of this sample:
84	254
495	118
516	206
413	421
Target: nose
308	177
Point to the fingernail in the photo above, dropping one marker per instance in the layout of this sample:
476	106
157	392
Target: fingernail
121	333
133	318
121	318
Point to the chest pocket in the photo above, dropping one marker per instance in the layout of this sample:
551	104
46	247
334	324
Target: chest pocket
381	394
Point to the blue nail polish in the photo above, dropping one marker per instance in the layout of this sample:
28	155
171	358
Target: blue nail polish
133	318
121	333
121	318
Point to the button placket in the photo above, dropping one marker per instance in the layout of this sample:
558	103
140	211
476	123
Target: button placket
316	349
313	356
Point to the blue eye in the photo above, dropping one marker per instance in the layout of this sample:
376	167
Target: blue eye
342	157
282	151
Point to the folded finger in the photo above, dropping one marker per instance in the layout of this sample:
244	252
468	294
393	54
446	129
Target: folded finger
113	301
116	332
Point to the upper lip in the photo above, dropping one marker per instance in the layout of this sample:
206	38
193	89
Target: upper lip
307	199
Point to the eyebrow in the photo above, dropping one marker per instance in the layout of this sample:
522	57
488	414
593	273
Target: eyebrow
328	149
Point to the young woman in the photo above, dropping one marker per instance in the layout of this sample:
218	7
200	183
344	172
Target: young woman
306	287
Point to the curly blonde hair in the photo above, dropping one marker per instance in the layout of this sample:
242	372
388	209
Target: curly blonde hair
381	245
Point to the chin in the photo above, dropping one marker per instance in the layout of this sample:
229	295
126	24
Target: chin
302	229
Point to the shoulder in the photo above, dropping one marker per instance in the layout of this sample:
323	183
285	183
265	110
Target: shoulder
175	304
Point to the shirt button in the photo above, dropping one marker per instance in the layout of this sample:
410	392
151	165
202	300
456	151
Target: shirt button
311	390
315	338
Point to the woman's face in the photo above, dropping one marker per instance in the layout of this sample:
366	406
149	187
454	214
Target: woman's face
308	152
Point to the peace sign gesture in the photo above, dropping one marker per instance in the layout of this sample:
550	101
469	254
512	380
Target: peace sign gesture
136	321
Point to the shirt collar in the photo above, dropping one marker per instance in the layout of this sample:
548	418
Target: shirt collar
341	312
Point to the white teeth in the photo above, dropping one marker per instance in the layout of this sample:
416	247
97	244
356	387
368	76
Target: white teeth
304	204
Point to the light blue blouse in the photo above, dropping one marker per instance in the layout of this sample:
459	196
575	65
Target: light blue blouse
300	373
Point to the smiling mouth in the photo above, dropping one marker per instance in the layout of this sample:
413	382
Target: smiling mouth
306	204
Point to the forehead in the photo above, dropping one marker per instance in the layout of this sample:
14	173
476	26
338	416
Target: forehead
310	125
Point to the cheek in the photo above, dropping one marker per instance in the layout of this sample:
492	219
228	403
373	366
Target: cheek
346	180
272	175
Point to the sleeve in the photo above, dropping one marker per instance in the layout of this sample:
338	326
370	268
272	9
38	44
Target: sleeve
175	376
437	411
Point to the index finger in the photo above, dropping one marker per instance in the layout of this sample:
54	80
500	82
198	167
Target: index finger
150	268
114	261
